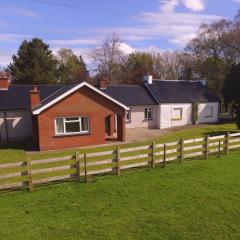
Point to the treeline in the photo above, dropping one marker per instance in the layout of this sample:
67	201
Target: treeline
213	55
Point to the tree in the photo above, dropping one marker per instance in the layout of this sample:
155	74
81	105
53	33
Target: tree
71	68
231	90
108	57
216	48
136	66
33	64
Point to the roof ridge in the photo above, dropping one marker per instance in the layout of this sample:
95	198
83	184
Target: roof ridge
174	80
40	85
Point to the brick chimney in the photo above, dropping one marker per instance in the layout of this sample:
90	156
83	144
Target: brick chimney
34	97
4	81
103	83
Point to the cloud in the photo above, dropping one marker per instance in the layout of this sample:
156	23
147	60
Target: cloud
17	10
194	5
73	42
9	37
126	48
5	58
178	28
167	6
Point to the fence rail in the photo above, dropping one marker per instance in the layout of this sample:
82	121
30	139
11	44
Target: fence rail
80	166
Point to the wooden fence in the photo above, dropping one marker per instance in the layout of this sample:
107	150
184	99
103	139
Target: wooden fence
80	167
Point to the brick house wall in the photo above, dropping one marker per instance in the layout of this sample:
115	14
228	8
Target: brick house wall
84	102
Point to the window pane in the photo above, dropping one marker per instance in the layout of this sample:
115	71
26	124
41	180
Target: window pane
146	113
150	113
177	113
128	115
59	125
72	119
72	127
85	124
208	111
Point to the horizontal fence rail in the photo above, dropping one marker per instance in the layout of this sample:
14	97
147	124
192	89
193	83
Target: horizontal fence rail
80	166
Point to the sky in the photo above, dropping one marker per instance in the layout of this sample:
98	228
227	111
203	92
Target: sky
143	25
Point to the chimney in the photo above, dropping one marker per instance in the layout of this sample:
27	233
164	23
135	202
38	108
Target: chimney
4	81
34	97
148	79
202	81
103	83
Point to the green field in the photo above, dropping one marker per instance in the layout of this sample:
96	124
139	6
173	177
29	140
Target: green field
18	154
195	200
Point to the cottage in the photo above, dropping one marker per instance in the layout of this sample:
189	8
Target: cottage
165	103
57	117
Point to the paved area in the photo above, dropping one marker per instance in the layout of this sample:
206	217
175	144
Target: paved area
144	134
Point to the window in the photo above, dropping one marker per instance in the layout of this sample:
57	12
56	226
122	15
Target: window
176	114
148	113
71	125
208	112
128	115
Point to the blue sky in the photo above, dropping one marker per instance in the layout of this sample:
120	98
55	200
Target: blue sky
81	24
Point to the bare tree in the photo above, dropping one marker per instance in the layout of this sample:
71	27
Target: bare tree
107	58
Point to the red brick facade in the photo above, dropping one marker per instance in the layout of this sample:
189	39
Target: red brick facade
84	102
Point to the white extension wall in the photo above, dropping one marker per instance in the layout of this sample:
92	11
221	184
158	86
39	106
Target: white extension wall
19	125
166	114
203	110
137	118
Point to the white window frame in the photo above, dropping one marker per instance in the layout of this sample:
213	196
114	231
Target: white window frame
209	116
64	133
181	113
149	109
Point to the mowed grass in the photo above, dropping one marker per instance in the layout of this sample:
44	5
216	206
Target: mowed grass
195	200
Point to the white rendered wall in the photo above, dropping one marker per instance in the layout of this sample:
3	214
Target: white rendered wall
137	118
166	115
203	118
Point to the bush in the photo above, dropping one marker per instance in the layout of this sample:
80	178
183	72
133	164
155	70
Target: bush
194	112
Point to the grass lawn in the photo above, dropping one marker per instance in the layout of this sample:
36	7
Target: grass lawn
196	200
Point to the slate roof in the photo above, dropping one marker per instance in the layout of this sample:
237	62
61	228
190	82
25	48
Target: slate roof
130	95
55	94
17	96
181	92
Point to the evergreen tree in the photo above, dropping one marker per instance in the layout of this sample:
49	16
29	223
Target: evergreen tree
71	68
33	64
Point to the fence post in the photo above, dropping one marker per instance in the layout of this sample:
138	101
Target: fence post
85	167
153	154
77	166
206	146
118	160
181	150
227	143
29	171
164	155
219	147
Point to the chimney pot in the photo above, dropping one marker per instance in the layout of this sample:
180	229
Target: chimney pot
34	97
148	79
